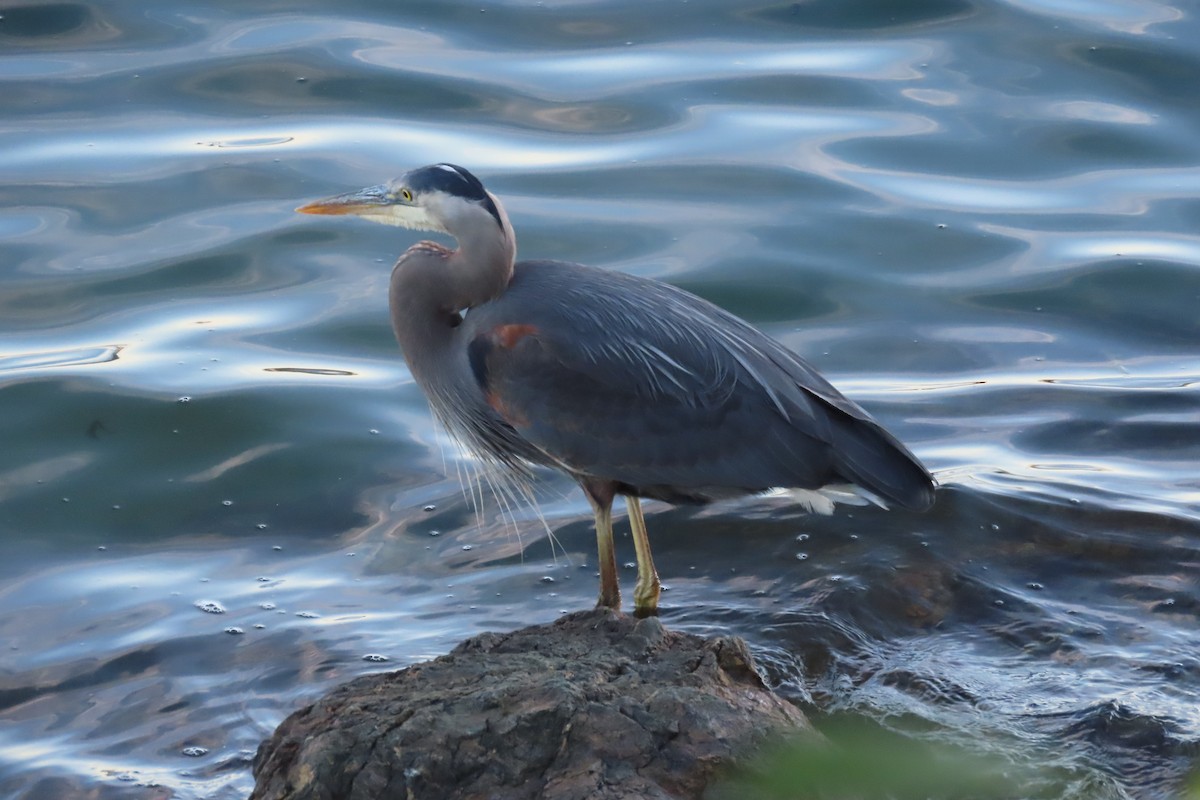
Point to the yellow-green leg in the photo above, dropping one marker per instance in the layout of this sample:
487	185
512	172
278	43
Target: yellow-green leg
645	593
601	498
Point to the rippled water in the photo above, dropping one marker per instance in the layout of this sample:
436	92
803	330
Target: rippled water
978	218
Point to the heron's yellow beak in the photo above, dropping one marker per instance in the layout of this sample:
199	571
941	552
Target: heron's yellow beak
382	204
364	202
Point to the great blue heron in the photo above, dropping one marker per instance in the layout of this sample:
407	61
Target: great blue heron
629	385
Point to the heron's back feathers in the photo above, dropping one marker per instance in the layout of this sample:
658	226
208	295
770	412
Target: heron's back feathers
635	381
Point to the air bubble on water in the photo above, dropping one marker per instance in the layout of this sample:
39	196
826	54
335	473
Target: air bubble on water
374	431
801	556
263	579
276	548
435	533
262	526
803	537
234	630
258	626
267	606
547	579
308	615
430	507
1037	587
995	527
101	547
467	547
194	752
630	565
210	606
375	658
226	502
184	399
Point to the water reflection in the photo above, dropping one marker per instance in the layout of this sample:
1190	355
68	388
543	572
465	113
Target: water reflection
976	218
62	358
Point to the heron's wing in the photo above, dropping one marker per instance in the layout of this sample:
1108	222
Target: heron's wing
636	381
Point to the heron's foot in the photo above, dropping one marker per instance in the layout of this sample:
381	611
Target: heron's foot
609	600
645	597
648	611
648	587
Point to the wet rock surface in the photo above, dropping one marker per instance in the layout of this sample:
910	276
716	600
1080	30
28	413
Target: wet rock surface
594	705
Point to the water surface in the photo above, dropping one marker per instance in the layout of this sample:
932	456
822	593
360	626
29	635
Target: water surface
977	218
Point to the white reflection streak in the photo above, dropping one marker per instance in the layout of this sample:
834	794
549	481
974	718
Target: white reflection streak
42	752
1117	191
234	462
49	471
1128	17
1047	253
55	754
617	70
1142	375
1095	111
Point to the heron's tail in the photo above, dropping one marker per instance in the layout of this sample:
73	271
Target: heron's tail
866	454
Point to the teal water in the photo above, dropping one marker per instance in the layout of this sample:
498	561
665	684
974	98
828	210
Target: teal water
979	219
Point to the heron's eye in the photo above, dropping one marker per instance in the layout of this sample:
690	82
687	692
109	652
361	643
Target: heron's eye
407	195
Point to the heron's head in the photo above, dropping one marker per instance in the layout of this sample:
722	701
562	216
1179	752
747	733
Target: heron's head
441	197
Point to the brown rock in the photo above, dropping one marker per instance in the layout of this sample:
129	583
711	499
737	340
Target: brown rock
595	706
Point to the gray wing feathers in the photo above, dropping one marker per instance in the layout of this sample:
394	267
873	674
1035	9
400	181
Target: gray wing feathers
639	382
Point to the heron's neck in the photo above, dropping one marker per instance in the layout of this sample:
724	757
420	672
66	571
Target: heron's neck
431	284
480	269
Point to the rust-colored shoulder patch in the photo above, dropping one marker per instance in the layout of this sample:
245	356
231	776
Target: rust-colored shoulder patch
486	354
507	336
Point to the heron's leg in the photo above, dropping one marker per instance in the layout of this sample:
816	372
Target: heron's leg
601	495
645	593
